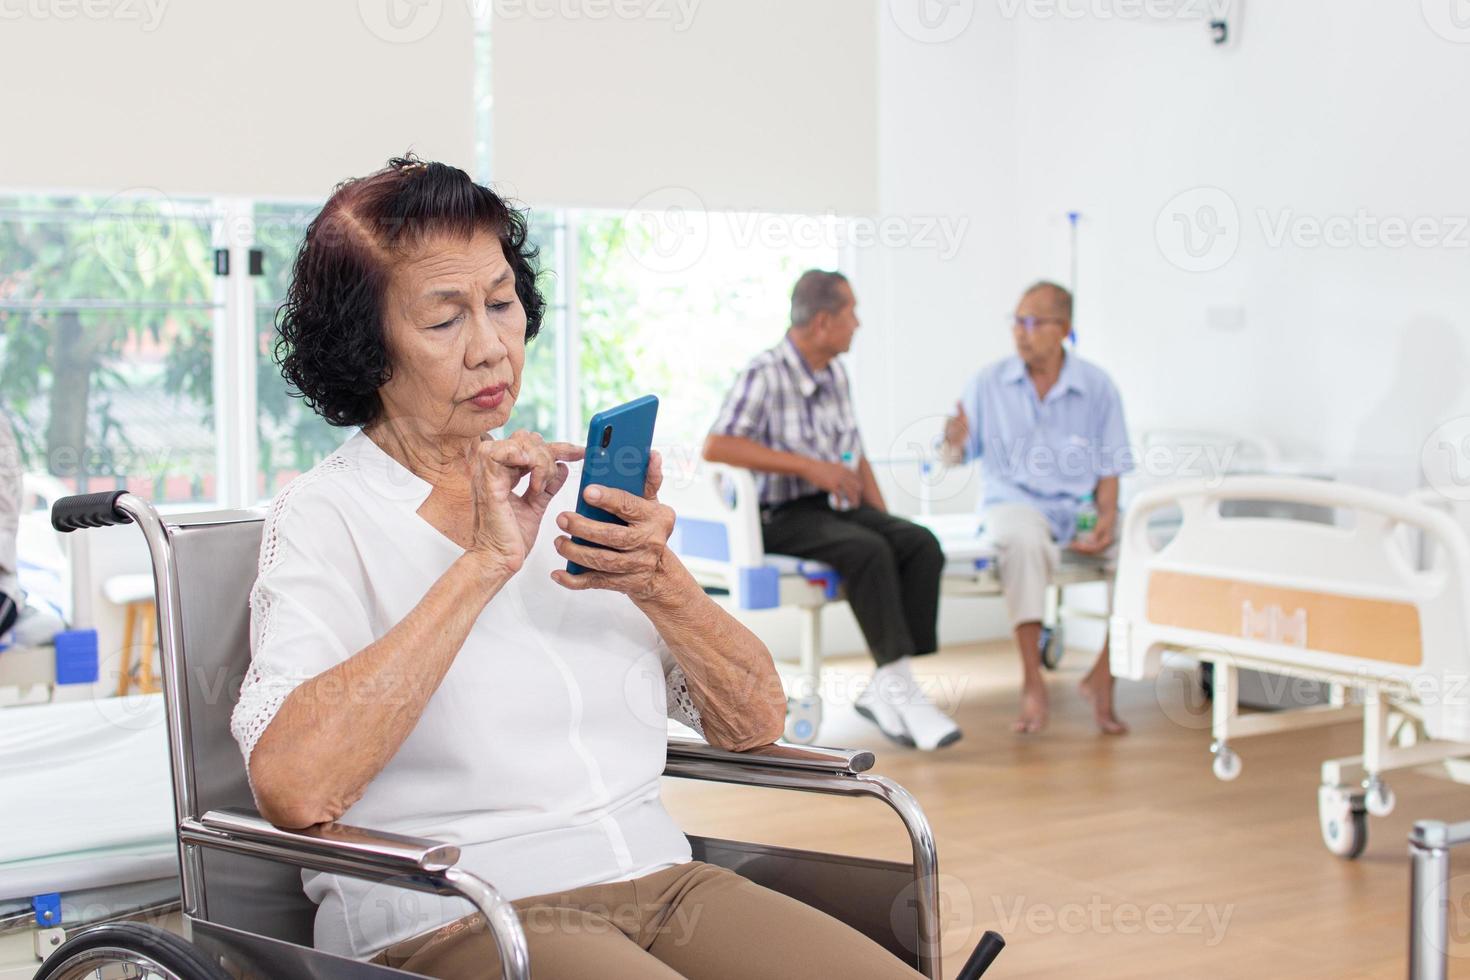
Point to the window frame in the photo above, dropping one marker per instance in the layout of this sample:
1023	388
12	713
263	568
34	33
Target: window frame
235	346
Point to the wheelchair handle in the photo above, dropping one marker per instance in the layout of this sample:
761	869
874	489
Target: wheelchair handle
88	510
986	950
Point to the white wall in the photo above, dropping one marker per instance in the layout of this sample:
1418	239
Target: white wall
1348	357
932	315
1316	111
690	103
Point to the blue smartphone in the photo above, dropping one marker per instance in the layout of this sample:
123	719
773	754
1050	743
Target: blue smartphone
619	441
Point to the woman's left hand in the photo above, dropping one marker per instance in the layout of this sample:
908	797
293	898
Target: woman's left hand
636	559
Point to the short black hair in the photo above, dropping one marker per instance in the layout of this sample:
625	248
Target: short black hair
331	344
815	292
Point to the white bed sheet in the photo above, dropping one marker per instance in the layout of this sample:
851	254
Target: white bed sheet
86	798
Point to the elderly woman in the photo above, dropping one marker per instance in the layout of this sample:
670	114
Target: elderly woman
423	663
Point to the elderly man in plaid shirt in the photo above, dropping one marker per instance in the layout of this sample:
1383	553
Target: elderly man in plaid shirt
789	418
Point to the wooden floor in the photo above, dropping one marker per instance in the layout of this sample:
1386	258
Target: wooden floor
1121	857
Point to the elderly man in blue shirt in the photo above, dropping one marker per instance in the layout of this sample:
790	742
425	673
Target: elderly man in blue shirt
1048	430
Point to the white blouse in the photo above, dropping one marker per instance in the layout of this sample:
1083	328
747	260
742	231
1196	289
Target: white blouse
540	753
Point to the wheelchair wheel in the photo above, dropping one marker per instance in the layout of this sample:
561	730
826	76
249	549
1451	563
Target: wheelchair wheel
128	951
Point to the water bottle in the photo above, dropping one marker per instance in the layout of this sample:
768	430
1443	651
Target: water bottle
836	501
1086	516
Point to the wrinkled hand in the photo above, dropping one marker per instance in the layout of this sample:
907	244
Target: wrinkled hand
1094	542
836	478
635	559
505	523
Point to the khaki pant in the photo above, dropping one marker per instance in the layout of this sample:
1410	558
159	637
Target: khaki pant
1028	558
694	920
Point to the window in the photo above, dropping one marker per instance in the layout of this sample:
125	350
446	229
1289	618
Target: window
681	329
121	364
291	438
107	313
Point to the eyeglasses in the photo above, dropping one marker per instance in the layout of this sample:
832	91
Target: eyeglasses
1030	323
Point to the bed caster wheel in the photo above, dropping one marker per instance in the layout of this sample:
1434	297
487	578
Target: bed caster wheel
803	719
1227	764
1344	820
1052	646
1378	799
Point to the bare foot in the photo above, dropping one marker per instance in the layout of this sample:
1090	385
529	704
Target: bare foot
1033	711
1098	692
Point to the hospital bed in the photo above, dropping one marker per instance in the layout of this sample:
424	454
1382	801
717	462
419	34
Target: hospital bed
242	903
718	537
46	573
1349	604
86	829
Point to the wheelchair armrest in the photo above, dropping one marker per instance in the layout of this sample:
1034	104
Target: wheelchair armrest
380	852
407	862
835	772
775	756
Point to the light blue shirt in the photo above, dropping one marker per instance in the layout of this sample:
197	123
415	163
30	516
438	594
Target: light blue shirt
1046	453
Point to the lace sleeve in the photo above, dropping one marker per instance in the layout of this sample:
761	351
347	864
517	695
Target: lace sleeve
306	611
261	696
681	704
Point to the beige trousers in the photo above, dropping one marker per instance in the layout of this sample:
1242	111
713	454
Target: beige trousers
695	921
1028	559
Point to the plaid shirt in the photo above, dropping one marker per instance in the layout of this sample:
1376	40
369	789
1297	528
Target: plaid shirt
781	403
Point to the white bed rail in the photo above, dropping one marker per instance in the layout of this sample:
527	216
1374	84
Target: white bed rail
1345	597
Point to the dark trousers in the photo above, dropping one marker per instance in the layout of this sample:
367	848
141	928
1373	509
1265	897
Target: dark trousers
8	612
890	568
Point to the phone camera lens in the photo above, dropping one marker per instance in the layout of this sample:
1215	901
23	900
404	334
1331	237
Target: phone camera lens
606	436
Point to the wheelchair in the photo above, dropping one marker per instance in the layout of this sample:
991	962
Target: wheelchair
243	911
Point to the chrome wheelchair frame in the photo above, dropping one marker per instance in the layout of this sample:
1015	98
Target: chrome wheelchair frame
242	904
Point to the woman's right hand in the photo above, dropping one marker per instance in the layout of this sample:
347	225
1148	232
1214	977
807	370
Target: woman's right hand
506	523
